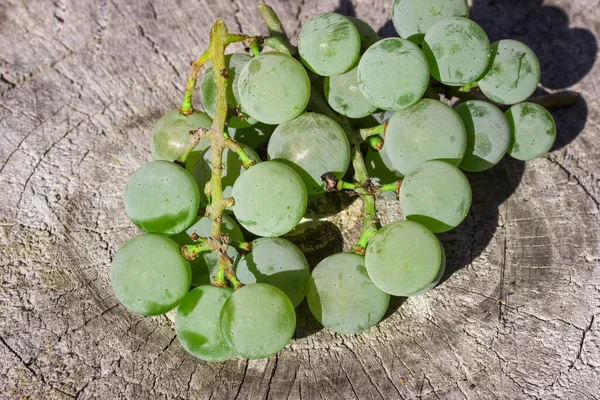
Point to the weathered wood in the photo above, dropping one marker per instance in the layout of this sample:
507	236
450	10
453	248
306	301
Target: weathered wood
81	84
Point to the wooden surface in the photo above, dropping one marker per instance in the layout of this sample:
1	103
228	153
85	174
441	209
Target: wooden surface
82	83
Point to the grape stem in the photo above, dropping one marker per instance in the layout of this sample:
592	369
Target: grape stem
219	139
378	130
220	38
277	39
186	106
391	187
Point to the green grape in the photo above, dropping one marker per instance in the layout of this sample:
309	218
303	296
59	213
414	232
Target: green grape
274	88
197	323
329	44
161	197
149	275
279	263
393	74
171	136
458	51
367	34
533	131
252	136
312	144
204	267
345	97
232	169
429	130
439	276
270	199
488	135
258	320
413	18
342	297
436	195
514	73
404	258
234	64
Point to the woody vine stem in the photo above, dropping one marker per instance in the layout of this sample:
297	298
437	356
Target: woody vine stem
220	140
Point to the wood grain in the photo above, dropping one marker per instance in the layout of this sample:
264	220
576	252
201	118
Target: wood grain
81	84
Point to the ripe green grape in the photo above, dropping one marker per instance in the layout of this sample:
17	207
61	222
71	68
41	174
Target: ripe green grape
345	97
234	64
279	263
171	136
197	323
404	258
413	18
393	74
270	199
149	275
514	73
252	136
458	51
329	44
436	195
488	134
312	144
274	88
258	320
429	130
161	197
204	267
533	131
367	34
439	276
342	297
232	169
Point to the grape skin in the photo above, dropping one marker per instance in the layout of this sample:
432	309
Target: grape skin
312	145
437	195
429	130
258	320
149	275
204	267
393	74
345	97
270	199
342	297
274	88
514	73
488	134
533	131
413	18
197	323
404	258
458	51
234	64
161	197
277	262
329	44
171	136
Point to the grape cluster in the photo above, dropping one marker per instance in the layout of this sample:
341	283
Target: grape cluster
289	126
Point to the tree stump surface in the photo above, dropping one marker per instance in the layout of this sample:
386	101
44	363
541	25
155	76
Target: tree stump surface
517	315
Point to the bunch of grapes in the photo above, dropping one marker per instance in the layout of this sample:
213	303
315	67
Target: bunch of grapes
345	110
